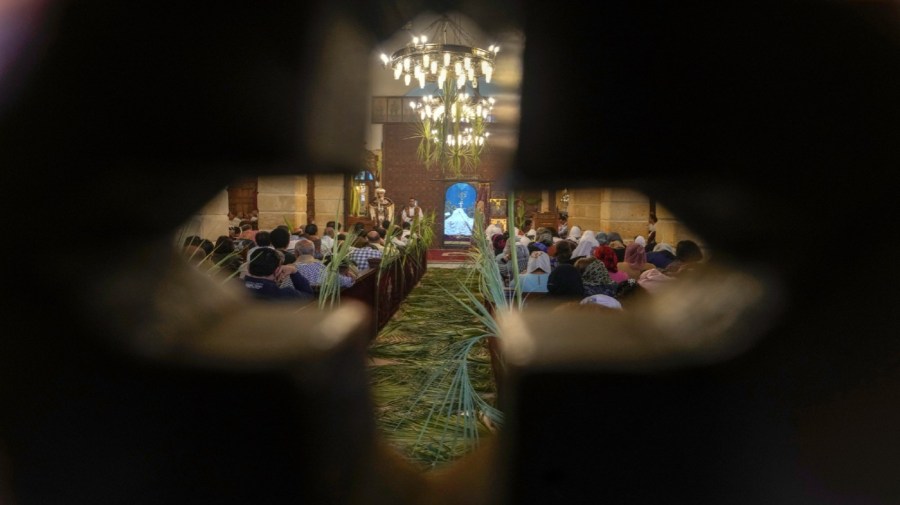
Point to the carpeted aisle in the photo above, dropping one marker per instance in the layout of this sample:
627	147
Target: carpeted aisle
447	255
407	354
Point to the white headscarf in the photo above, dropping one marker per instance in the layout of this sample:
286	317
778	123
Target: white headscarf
492	230
575	233
663	246
604	300
640	240
586	244
538	259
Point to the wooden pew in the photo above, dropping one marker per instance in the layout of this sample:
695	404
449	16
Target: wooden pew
385	292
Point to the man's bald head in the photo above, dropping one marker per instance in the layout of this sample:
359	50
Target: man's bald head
373	236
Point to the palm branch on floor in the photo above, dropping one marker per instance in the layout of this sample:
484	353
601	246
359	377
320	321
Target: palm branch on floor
437	381
453	407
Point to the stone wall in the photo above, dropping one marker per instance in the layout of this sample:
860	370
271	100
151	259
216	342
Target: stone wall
329	199
209	222
282	199
625	211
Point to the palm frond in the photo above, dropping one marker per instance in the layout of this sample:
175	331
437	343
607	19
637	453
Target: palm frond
330	288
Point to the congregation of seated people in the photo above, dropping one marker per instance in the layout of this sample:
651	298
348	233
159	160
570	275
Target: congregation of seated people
587	267
302	255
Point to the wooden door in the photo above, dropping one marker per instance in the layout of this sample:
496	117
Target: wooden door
242	195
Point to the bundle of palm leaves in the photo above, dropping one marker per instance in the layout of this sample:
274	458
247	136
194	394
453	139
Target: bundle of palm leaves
434	389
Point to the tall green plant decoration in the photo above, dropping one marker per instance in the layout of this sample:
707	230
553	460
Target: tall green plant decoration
457	410
452	130
330	288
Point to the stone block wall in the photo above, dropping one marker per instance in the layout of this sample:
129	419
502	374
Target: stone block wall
282	198
329	199
209	222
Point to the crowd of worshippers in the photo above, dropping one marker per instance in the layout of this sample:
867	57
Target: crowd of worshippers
588	267
281	264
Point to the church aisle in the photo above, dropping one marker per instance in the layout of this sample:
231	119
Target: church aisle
412	370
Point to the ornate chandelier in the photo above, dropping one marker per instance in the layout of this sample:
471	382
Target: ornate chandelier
452	129
452	122
453	59
466	110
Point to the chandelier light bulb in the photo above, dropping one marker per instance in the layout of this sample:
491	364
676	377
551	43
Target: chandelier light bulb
398	69
385	59
407	63
446	59
406	79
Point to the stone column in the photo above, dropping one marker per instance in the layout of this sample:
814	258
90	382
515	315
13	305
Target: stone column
282	199
670	230
585	209
609	209
329	202
209	222
625	211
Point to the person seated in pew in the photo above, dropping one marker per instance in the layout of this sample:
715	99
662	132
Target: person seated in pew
366	248
312	269
565	284
537	272
265	274
595	277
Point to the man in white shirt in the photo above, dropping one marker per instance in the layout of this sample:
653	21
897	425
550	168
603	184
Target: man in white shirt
411	212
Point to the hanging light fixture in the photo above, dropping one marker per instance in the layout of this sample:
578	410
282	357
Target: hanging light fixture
452	128
452	123
447	56
467	111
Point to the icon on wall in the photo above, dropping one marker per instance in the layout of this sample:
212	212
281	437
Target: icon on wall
459	214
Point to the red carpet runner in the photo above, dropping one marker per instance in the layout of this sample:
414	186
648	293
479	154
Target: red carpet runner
447	255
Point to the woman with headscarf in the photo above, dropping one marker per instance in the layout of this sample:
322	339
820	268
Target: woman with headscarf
608	256
662	255
574	234
498	241
586	245
504	263
635	261
565	284
537	273
688	255
561	252
595	278
617	245
491	230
